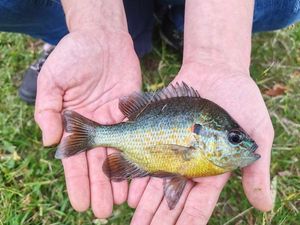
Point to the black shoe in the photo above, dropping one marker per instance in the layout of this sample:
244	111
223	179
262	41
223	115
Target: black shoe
27	90
170	34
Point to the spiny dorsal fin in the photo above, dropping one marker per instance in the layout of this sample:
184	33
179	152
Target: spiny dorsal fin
132	105
119	168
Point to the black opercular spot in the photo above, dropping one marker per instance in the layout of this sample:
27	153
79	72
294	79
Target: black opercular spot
197	128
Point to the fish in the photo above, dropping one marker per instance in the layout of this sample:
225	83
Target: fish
174	134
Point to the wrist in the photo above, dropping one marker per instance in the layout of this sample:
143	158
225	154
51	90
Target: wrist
94	14
214	63
102	40
215	35
215	68
208	73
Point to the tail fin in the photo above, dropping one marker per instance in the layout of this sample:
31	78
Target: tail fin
82	138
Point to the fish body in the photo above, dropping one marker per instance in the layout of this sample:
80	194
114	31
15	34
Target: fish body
153	139
174	134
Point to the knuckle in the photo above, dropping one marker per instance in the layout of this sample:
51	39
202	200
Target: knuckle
100	182
196	213
265	129
155	186
72	176
36	116
147	210
270	131
164	219
269	134
211	186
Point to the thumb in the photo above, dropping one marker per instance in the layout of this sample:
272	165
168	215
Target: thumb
256	177
48	109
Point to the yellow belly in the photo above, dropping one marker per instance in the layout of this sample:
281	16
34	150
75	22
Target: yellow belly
149	150
171	162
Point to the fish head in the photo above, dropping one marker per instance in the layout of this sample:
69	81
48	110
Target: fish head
231	149
224	142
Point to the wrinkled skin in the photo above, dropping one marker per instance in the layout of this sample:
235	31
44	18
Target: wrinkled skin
239	95
93	81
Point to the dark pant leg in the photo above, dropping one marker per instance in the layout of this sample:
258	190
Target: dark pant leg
275	14
268	14
140	20
43	19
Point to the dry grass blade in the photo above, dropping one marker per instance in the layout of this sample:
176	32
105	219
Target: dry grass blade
238	216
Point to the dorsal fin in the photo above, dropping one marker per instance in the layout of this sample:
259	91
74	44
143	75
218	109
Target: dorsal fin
132	105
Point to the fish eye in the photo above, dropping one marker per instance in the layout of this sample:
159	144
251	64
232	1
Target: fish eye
235	137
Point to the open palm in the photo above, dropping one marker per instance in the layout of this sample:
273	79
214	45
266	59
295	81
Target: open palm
240	96
87	72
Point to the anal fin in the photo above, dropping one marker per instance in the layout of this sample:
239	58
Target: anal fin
118	168
173	188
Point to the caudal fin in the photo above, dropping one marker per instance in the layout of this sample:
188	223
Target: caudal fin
82	137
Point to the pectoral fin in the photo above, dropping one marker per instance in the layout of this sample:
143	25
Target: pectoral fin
185	152
166	150
119	168
173	188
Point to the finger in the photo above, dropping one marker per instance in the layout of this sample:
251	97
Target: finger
109	114
149	202
256	177
119	189
136	190
77	181
101	192
166	216
202	199
48	109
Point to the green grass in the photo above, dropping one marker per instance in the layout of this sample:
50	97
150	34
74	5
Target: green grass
32	188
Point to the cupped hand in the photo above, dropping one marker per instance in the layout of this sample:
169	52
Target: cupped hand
87	72
237	93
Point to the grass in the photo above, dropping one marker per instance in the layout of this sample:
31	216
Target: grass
32	188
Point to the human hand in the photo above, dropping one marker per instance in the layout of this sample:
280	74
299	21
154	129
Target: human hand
238	94
87	72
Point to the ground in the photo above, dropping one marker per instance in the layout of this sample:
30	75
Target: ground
32	188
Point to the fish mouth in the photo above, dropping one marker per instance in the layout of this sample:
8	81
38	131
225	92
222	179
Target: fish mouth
250	155
246	161
253	147
256	157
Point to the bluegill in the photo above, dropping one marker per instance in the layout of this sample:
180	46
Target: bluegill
173	133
